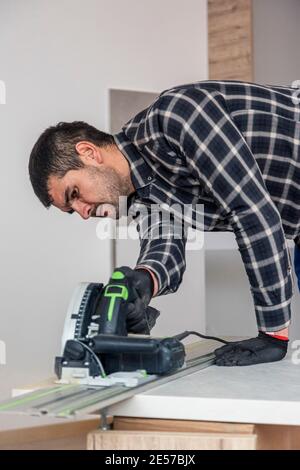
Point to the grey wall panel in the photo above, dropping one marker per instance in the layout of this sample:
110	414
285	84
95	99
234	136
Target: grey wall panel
184	309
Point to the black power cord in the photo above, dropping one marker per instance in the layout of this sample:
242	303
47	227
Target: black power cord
185	334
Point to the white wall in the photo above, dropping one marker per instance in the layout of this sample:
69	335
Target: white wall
58	58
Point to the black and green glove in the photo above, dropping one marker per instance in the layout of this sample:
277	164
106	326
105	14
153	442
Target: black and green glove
140	318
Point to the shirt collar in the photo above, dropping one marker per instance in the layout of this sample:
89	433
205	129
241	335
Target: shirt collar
141	172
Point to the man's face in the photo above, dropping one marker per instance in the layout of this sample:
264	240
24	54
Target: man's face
91	191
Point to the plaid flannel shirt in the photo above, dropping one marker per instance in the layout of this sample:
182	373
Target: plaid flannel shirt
235	147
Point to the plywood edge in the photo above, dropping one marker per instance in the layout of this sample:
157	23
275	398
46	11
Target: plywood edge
149	424
137	440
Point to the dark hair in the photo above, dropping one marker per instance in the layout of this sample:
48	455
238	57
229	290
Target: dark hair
54	153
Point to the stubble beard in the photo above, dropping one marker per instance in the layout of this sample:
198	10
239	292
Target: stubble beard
111	186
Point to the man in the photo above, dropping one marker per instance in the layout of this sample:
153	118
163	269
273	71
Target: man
231	145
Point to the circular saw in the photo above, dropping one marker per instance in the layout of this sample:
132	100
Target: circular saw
96	348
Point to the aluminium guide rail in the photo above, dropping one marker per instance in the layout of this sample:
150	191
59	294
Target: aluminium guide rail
72	400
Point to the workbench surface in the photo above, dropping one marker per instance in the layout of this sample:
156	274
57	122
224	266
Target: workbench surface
264	393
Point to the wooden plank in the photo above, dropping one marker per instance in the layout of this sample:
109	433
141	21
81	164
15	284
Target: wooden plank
198	348
67	435
230	40
148	424
274	437
206	346
137	440
46	383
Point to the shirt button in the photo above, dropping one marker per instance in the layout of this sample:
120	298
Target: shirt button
149	178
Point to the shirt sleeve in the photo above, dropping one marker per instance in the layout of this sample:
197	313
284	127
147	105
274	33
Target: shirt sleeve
197	125
297	260
162	245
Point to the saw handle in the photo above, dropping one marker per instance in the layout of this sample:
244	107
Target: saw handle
112	307
115	317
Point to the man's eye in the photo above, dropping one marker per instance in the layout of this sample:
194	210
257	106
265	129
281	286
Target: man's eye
74	193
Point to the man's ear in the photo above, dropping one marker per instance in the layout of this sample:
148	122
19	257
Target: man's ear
88	152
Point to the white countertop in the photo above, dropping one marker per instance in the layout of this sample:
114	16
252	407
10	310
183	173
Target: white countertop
264	393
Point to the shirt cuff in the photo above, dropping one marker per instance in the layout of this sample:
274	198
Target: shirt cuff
153	276
273	317
160	272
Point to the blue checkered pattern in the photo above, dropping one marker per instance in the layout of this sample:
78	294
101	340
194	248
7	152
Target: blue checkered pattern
235	147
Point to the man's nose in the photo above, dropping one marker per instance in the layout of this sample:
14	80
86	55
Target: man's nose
82	208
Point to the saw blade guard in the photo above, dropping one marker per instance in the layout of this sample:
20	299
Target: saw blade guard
81	318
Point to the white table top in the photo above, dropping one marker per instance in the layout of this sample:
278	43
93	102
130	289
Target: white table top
264	393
